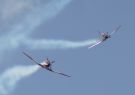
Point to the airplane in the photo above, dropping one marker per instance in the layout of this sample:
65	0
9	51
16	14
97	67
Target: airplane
104	36
47	64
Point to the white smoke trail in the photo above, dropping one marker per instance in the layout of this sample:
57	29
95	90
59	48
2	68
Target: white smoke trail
56	44
17	40
13	12
41	14
11	8
9	42
10	77
20	30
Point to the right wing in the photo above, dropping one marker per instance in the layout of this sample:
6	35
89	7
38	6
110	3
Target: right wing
31	58
98	42
115	30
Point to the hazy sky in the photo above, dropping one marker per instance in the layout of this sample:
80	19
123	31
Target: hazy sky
107	69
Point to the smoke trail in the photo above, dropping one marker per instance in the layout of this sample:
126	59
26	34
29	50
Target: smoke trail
20	30
56	44
12	12
16	40
11	8
41	14
10	77
9	42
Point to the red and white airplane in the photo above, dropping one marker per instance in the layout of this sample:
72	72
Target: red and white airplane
47	64
104	36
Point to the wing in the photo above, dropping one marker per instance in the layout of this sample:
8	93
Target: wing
59	73
31	58
115	30
98	42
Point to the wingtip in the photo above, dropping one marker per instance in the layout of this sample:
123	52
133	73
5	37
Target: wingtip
119	26
89	48
68	76
23	52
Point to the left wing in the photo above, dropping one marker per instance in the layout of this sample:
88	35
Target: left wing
59	73
98	42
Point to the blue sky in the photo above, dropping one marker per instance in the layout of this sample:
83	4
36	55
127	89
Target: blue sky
107	69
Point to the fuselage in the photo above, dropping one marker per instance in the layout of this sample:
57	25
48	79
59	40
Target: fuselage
105	36
45	64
